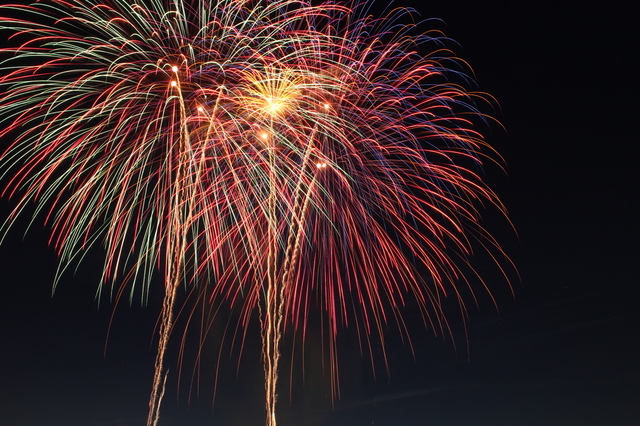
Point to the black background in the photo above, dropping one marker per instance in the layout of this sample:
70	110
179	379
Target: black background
564	351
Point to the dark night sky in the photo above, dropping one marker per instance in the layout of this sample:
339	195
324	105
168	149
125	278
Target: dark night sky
565	351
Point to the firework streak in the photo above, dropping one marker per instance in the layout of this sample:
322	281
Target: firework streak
281	157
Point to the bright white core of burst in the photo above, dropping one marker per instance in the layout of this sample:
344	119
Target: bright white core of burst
273	106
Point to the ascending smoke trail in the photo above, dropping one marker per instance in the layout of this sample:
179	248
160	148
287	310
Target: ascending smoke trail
287	159
181	210
272	309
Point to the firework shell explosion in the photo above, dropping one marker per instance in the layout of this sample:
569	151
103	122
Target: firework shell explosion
280	157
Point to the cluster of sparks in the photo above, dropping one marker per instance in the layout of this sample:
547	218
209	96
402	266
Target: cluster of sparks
281	157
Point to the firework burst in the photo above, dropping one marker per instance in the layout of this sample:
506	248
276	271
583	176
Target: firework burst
281	157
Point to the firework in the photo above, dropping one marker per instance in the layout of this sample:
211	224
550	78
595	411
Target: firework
280	157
